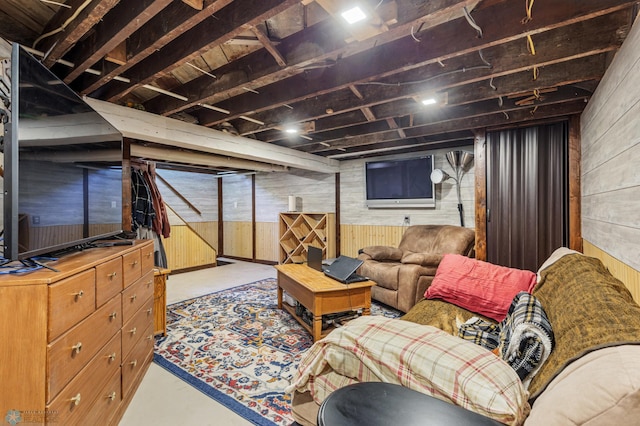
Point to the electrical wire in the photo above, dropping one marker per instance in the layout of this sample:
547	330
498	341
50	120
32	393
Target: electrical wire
413	36
407	83
64	25
483	59
472	22
529	10
56	3
530	46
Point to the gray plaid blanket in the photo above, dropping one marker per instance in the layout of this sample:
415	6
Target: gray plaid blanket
524	339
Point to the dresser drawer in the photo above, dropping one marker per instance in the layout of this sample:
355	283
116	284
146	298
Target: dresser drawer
108	280
70	301
134	363
131	267
134	296
146	255
75	401
68	354
105	407
133	330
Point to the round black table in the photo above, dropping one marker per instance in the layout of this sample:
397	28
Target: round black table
384	404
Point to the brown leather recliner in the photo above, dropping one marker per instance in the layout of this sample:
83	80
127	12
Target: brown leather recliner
404	273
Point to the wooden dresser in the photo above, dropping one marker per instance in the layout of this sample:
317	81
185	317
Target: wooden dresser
75	344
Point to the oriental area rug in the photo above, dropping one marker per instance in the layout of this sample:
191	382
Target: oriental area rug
238	348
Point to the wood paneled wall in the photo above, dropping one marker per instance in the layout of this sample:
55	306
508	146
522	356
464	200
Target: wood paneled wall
267	241
191	200
610	136
238	241
625	273
208	231
355	237
185	249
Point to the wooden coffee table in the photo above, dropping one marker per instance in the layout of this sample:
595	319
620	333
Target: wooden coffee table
321	295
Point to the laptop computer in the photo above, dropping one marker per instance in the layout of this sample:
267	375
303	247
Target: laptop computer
343	269
314	258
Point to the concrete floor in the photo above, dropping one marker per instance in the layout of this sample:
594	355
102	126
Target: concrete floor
164	399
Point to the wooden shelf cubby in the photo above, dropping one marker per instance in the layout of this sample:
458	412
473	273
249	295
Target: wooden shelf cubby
299	230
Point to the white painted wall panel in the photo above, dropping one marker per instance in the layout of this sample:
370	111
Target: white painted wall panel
236	198
355	212
610	134
317	191
199	189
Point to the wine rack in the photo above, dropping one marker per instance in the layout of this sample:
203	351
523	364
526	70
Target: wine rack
299	230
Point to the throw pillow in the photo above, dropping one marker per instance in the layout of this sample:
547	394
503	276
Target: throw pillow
478	286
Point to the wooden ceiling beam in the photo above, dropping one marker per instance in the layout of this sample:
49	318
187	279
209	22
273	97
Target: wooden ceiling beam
368	114
363	67
577	71
115	28
175	19
394	125
327	40
459	125
562	74
271	48
59	43
327	43
230	22
463	88
196	4
454	114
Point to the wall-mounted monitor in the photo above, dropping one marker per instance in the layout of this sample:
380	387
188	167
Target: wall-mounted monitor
400	183
63	166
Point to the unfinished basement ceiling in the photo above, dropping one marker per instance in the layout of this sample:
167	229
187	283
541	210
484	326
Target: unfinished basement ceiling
257	68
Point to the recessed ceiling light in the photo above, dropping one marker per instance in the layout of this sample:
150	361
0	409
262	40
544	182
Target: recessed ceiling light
428	101
292	131
353	15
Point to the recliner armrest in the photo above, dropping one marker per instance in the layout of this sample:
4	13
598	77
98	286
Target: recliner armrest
383	253
423	259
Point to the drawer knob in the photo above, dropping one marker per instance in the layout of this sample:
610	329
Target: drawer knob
113	315
133	297
134	263
149	311
112	357
134	363
149	283
79	294
76	399
150	337
112	275
77	347
133	330
112	396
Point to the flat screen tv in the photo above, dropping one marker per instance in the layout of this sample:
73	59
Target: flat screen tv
400	183
62	166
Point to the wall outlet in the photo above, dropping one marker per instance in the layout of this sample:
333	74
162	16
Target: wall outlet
407	220
36	220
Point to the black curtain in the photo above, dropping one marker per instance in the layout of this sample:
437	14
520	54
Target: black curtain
527	194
